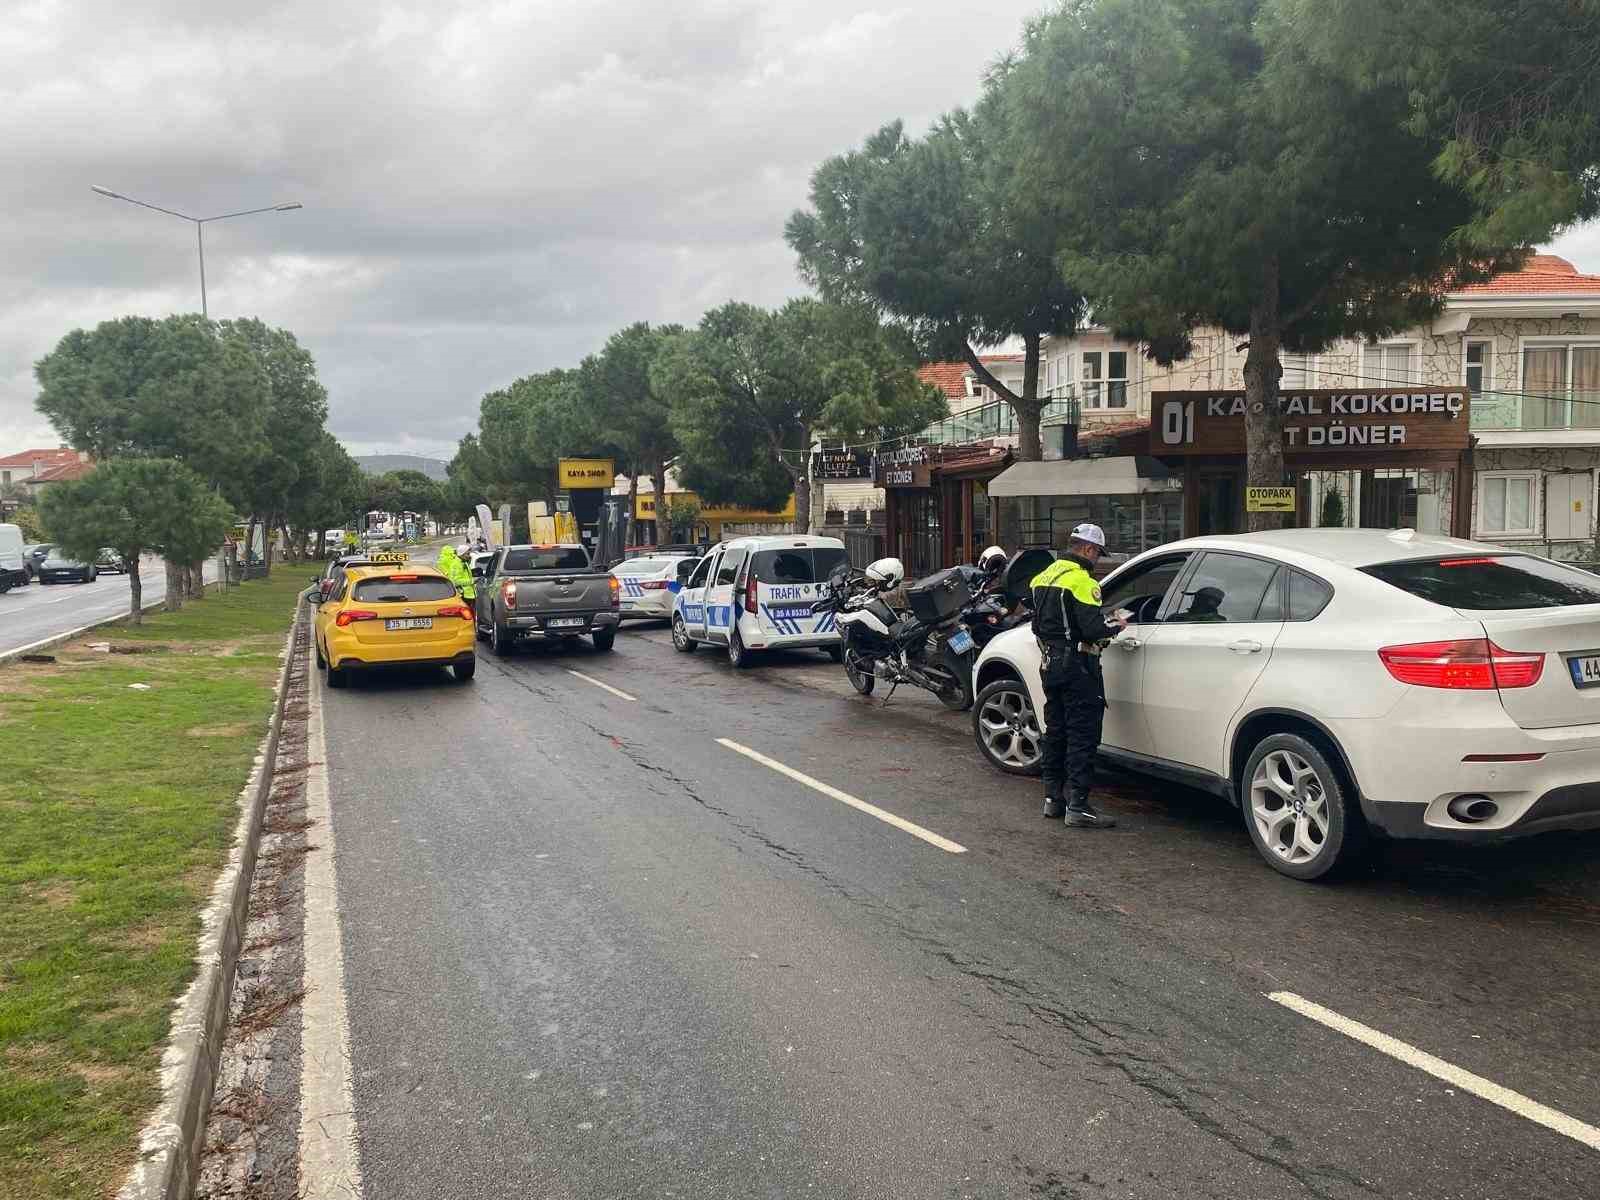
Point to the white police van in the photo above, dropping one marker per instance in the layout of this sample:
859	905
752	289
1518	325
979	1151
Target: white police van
755	593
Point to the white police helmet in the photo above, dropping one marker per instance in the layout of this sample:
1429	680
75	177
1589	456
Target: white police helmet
1092	534
992	560
886	573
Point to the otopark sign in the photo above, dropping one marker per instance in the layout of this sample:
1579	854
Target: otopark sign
1326	420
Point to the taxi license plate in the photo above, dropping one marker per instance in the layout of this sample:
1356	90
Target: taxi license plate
566	622
408	623
1585	670
961	641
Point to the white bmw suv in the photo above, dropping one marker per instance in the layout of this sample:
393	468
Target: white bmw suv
1336	682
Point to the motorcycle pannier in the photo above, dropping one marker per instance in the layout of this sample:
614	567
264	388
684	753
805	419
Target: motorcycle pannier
940	597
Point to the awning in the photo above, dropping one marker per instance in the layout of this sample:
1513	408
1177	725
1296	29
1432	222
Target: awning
1125	475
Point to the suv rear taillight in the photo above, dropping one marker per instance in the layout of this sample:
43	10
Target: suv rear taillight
750	593
1473	664
508	593
616	593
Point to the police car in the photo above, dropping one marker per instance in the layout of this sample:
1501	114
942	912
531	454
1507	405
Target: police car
646	584
755	593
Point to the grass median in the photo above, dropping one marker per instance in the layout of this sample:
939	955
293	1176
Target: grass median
117	809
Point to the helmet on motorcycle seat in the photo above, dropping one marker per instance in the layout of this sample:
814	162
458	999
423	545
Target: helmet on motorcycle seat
886	574
992	561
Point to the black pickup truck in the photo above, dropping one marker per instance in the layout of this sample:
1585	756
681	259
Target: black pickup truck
545	594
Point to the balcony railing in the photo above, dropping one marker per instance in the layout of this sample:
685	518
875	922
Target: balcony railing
1515	411
993	420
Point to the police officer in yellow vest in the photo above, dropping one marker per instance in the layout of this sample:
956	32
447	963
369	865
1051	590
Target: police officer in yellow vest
1071	629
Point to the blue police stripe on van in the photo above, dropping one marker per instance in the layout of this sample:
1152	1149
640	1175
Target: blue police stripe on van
828	622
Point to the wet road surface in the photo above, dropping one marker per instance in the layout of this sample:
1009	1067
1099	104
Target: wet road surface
590	950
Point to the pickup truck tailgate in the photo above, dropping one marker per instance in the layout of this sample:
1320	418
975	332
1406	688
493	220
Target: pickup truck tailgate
564	593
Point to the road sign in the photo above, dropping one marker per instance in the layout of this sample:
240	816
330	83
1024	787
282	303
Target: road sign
1269	499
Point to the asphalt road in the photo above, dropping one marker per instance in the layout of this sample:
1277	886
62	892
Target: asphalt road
41	611
589	951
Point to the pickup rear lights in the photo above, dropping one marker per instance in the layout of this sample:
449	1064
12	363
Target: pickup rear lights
508	592
1471	664
616	591
750	593
455	610
351	615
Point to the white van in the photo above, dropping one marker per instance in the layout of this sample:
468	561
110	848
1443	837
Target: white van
13	571
755	593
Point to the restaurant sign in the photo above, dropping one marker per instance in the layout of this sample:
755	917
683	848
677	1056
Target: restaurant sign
909	466
841	463
1314	422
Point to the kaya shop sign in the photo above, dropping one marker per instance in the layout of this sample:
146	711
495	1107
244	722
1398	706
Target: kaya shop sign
1315	422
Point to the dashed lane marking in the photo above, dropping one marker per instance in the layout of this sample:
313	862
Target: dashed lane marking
1477	1085
330	1161
872	810
605	687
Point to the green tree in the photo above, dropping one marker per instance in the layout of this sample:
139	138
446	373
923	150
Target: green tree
937	234
753	391
330	491
1222	179
1509	88
135	506
628	408
27	519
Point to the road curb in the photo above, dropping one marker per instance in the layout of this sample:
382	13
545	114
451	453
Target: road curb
170	1143
50	643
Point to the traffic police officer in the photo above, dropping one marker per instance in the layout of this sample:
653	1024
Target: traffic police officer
1071	629
453	569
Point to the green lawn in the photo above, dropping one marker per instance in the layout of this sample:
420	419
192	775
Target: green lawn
117	808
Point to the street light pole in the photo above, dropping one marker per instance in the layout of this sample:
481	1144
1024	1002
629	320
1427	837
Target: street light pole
199	227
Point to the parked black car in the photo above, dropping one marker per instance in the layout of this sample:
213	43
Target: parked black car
58	569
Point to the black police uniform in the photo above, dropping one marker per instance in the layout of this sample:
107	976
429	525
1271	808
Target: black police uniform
1069	625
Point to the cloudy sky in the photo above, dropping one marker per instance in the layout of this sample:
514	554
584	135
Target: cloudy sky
489	188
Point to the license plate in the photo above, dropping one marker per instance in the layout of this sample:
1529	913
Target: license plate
961	641
793	613
408	623
566	622
1585	670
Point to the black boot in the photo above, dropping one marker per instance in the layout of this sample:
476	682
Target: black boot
1083	815
1054	806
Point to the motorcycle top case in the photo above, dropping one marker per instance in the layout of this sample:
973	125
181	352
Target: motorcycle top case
940	597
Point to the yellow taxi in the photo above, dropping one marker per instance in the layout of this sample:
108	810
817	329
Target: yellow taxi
389	612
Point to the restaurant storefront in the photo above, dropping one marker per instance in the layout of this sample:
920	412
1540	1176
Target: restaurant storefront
937	504
1365	460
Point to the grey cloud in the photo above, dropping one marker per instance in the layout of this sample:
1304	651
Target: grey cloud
490	189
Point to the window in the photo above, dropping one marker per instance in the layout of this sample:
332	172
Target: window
643	566
1272	607
553	558
1299	372
1561	387
801	565
1499	582
1105	379
1225	587
728	570
698	579
1389	366
404	591
1479	368
1505	502
1308	596
1141	590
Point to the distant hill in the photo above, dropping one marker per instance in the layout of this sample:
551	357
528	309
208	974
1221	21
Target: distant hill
381	464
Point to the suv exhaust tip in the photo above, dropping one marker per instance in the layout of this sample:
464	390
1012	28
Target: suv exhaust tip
1472	810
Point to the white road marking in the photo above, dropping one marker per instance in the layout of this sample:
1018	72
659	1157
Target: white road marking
872	810
330	1160
605	687
1480	1087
